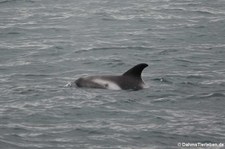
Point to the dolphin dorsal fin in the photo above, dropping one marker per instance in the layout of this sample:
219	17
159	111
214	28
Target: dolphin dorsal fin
136	70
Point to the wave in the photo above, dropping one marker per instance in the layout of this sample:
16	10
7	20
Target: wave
205	12
114	48
211	95
215	95
214	82
11	1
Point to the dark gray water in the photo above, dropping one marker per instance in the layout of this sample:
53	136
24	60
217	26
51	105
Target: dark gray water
46	44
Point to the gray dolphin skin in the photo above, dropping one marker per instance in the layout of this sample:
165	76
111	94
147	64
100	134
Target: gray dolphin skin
130	80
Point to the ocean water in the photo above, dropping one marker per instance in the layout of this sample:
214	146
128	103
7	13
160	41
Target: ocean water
47	44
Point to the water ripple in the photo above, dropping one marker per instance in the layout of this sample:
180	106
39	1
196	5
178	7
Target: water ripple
45	44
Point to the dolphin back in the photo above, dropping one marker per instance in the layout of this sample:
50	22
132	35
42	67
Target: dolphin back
131	79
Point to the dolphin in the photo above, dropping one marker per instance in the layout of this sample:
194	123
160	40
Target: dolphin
130	80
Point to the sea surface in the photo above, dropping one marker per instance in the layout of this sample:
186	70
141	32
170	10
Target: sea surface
47	44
